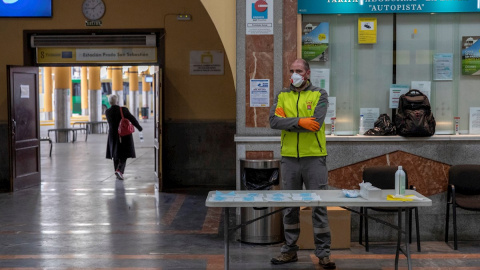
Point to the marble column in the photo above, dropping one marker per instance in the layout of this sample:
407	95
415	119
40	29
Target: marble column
84	90
47	96
146	87
62	101
117	84
94	97
133	88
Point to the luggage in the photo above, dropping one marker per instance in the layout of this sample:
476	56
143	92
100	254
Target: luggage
382	127
414	116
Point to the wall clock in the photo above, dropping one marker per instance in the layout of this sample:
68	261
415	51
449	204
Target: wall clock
93	9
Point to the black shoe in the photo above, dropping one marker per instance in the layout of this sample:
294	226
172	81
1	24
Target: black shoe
326	263
285	257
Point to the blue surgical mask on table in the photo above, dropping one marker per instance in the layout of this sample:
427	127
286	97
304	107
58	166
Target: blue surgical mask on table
297	79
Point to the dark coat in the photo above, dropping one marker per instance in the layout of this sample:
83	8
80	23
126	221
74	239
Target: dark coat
115	148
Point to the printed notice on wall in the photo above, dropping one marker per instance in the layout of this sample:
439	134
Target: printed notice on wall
320	77
259	17
424	86
474	123
442	66
206	62
370	115
332	110
260	93
24	91
396	90
367	30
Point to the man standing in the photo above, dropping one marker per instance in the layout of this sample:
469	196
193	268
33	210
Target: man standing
299	112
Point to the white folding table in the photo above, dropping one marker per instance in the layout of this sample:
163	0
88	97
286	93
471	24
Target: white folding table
296	198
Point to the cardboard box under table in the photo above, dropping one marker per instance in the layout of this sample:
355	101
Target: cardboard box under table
339	223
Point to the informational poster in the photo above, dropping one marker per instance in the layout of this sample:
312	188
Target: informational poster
396	90
474	123
315	41
367	30
470	55
320	77
24	91
424	86
206	62
332	109
259	17
370	115
442	66
260	93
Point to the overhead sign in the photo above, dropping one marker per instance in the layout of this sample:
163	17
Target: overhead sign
386	6
97	55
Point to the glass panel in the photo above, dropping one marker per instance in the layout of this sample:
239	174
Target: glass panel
361	74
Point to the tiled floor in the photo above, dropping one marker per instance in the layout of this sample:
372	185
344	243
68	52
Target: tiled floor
81	217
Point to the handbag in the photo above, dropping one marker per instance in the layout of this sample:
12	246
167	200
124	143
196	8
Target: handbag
125	127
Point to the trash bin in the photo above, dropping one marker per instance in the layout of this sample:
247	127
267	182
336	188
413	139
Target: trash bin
144	112
261	175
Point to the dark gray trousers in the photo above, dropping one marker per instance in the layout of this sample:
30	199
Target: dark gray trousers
120	164
311	172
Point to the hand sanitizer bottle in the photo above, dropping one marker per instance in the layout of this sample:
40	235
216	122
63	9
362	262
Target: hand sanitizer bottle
400	181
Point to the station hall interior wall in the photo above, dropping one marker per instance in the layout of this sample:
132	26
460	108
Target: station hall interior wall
198	100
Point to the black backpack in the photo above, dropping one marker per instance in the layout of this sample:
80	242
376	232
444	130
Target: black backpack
414	116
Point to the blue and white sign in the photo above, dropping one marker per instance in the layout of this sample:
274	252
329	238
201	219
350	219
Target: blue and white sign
259	18
259	93
386	6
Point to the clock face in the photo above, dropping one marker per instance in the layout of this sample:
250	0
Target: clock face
93	9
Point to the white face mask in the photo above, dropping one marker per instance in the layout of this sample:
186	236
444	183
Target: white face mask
296	80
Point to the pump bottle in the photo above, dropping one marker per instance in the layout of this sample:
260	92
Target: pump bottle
400	181
361	129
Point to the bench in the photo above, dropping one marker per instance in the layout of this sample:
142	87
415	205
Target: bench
47	139
103	125
73	130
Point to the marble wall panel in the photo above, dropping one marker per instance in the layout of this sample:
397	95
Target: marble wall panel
349	177
289	38
259	65
428	176
259	154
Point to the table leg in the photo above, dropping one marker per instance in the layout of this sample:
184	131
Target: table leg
74	136
226	237
407	238
399	237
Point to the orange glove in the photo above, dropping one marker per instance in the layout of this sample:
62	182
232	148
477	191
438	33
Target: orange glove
280	112
309	123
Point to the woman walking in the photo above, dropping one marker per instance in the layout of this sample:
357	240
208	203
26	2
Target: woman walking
119	149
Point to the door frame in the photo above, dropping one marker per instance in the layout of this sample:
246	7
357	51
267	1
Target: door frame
29	57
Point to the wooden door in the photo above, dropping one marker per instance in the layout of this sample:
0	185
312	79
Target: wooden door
23	127
158	117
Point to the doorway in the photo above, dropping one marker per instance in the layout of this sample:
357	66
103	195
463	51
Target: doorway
60	48
143	99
